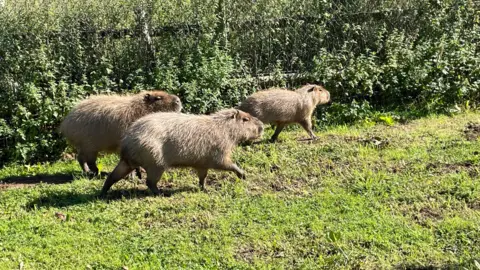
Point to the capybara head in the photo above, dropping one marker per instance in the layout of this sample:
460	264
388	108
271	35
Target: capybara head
241	125
319	94
161	101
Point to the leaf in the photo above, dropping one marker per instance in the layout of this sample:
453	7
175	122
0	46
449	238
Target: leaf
477	264
333	236
387	120
100	167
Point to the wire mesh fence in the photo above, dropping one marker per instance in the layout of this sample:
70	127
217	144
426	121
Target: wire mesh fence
212	53
262	33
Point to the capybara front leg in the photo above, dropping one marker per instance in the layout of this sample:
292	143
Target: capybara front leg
83	163
91	159
307	125
233	168
239	172
279	129
202	174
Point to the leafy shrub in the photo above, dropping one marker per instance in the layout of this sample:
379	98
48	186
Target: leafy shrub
416	56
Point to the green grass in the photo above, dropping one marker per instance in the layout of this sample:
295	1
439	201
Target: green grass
378	197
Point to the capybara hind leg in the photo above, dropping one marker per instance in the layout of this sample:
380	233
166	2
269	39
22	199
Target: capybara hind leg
153	176
202	174
118	173
307	125
279	129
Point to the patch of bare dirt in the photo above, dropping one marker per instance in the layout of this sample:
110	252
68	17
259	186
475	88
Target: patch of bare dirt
29	181
375	141
427	214
246	254
442	168
472	131
475	205
372	140
11	186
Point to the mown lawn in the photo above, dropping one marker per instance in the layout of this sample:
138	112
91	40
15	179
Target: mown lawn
378	197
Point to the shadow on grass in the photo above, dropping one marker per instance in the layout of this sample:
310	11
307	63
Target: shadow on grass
57	178
70	198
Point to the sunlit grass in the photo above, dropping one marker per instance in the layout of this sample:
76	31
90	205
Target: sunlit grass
360	197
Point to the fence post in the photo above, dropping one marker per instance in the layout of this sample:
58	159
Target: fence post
221	32
143	31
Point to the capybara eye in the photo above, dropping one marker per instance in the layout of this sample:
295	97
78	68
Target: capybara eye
246	119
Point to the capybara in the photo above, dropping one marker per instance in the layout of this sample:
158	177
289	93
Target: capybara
98	123
282	107
160	141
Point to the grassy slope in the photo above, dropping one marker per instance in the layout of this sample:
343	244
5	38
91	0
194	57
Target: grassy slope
339	202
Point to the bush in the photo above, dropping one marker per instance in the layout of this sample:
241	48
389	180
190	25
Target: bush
420	56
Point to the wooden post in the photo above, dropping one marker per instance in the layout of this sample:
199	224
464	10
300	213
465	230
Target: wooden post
143	31
222	25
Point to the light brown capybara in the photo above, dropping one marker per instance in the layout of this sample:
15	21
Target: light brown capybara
98	123
160	141
282	107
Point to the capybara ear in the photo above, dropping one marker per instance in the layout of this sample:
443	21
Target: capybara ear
311	88
151	98
236	114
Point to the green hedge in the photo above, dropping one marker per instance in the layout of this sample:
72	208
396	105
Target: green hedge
418	56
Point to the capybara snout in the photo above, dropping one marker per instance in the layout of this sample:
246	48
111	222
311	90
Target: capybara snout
320	95
323	96
253	126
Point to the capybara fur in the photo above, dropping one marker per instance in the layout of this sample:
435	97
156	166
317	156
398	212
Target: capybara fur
161	141
98	123
282	107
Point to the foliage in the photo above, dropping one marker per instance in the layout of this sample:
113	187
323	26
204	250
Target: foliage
346	201
420	56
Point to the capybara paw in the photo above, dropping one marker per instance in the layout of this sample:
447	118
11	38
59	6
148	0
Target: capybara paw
156	192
